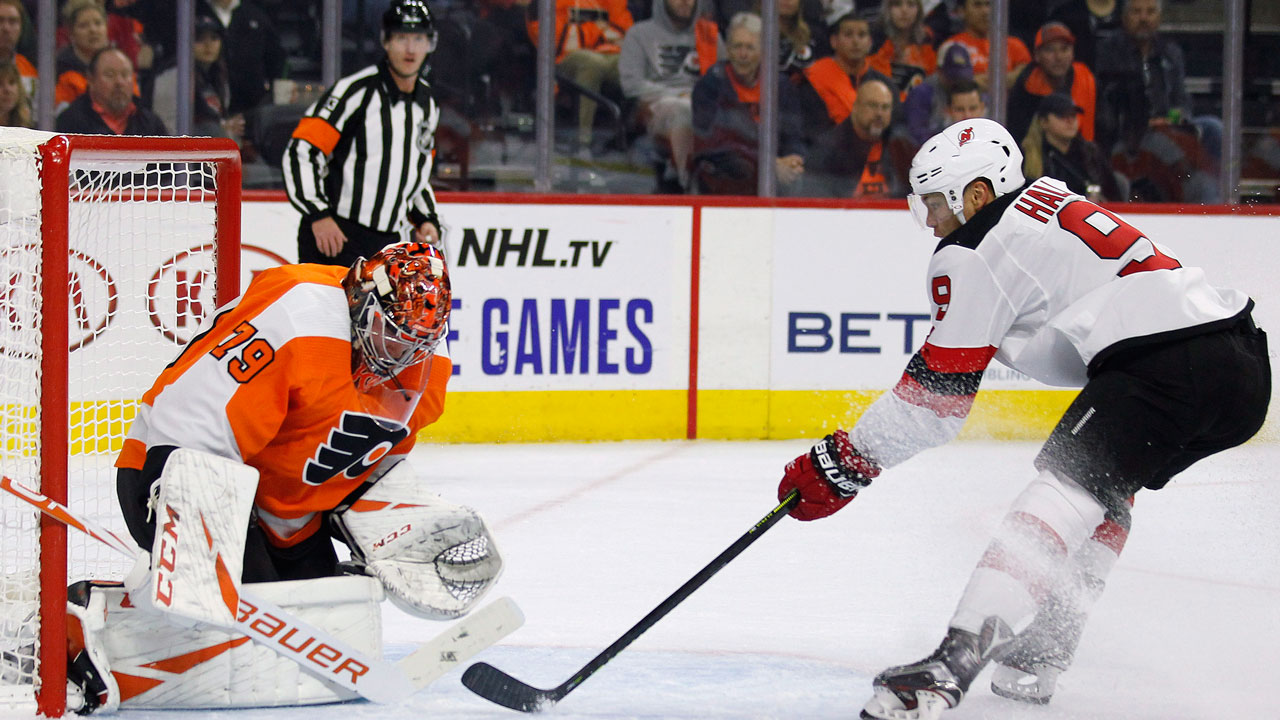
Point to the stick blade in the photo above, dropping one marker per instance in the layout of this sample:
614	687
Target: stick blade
498	687
463	640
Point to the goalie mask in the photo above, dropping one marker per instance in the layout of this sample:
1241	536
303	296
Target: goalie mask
955	157
399	301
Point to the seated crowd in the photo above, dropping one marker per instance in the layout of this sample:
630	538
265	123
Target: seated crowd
1095	92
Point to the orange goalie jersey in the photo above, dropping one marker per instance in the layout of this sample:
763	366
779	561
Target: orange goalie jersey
269	382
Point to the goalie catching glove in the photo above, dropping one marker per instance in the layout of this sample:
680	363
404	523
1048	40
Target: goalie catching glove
828	477
435	559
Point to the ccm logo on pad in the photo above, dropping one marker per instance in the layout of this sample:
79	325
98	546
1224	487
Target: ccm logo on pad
167	561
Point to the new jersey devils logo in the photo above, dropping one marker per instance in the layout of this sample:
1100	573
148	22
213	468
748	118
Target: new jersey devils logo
356	445
966	135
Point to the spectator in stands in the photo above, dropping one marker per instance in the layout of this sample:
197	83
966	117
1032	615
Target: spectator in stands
514	75
1054	70
974	38
11	13
252	48
158	20
588	40
469	53
1092	22
827	95
851	159
812	12
726	109
123	33
907	53
926	106
832	10
1144	115
965	101
211	87
798	42
944	19
661	59
1142	77
109	106
15	109
86	25
1054	146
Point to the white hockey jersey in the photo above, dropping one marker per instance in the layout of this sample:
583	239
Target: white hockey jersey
1049	284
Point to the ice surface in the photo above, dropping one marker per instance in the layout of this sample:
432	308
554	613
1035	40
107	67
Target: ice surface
596	535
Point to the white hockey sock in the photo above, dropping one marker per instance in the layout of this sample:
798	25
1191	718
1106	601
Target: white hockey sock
1028	553
1093	561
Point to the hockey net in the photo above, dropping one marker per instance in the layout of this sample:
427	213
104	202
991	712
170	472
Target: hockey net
112	250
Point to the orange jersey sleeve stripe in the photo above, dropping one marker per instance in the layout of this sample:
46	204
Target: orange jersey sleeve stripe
317	132
132	455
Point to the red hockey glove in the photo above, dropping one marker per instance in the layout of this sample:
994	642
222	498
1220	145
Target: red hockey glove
828	477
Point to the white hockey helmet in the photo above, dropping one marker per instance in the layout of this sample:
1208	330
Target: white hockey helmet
960	154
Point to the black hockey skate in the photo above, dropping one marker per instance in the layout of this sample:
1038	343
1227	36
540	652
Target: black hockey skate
922	690
1028	672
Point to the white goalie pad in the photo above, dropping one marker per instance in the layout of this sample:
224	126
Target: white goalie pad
155	665
434	558
202	515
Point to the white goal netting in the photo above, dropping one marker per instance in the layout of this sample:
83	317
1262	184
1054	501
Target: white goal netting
141	233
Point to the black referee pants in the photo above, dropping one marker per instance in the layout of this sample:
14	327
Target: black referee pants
361	242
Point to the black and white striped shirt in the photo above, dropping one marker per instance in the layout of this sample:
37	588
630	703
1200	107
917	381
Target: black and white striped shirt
363	152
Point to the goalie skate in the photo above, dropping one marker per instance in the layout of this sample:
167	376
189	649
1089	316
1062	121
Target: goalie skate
924	689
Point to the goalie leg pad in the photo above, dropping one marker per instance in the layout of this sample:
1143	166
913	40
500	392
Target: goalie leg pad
156	665
434	558
202	515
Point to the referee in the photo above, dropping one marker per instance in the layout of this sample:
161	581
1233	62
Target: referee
358	163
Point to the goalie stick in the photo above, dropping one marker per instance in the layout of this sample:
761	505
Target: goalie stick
496	686
374	679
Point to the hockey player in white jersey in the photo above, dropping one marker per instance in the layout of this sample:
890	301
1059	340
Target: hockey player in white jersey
1172	369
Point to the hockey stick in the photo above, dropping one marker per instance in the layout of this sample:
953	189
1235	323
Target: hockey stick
496	686
343	665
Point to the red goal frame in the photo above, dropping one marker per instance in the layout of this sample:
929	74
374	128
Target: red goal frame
56	157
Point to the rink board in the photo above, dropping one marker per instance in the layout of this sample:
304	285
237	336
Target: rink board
607	318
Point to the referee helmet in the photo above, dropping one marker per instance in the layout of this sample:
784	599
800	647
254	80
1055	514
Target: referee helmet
407	16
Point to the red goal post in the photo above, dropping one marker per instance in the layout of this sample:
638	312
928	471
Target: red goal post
112	251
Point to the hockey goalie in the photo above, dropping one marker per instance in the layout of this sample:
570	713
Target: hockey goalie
280	428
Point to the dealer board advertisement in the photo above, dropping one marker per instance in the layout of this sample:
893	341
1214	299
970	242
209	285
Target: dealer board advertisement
848	296
850	303
552	297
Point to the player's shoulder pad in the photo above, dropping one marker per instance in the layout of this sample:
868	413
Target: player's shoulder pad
298	300
970	234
